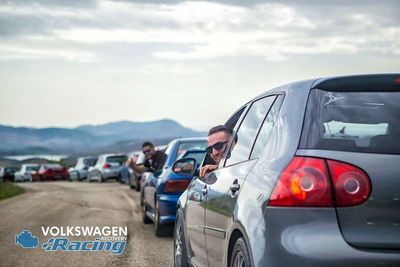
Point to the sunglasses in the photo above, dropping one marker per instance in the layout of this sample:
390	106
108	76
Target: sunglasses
148	151
217	146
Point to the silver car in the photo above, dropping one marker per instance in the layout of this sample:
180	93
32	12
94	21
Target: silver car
80	170
134	179
310	179
25	173
108	166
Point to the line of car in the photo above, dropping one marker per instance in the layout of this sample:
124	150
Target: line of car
310	180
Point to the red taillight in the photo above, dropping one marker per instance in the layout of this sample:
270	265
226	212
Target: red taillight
306	182
106	166
352	185
176	186
397	81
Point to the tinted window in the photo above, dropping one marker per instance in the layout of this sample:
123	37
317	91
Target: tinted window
266	128
353	121
32	168
248	130
117	159
197	155
89	162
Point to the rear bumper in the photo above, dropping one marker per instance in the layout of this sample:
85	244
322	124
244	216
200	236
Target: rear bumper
110	174
310	237
167	208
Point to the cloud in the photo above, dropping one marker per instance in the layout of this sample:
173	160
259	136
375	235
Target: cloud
274	31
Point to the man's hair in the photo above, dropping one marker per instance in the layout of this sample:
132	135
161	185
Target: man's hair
220	128
150	144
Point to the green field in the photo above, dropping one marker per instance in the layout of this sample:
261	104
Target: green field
8	189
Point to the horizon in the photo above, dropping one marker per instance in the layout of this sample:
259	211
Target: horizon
70	63
102	124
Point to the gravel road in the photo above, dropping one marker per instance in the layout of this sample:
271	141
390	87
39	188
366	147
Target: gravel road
79	204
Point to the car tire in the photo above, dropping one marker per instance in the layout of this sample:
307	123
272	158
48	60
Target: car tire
180	254
160	230
146	220
130	184
137	187
240	254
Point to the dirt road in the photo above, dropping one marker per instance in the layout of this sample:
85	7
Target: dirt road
79	204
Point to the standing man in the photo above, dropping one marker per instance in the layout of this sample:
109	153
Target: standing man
218	139
154	159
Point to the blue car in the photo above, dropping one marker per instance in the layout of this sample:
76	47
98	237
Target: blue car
162	189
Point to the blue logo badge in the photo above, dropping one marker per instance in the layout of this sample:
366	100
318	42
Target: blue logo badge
25	239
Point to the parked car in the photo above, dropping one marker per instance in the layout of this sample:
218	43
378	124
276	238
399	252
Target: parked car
108	166
162	189
50	171
135	178
80	169
25	173
313	180
7	173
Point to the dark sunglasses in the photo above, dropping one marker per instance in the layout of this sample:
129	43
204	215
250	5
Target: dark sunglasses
217	146
148	151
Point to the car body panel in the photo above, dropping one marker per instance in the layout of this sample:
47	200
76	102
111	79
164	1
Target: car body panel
286	236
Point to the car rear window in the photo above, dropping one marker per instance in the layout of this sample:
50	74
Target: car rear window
352	121
89	162
117	159
32	168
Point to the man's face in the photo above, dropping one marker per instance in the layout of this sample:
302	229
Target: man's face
218	141
148	151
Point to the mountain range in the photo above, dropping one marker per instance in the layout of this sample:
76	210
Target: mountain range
87	139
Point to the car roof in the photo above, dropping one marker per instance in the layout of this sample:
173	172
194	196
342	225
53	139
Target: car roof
350	83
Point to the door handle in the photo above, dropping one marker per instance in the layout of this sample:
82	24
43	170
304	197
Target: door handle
235	187
204	190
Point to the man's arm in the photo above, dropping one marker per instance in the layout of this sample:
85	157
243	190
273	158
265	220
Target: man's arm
207	168
138	169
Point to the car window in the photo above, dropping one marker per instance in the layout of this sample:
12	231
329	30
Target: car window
352	121
247	132
266	128
188	146
117	159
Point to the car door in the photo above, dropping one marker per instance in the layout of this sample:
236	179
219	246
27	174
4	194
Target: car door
228	179
195	222
195	212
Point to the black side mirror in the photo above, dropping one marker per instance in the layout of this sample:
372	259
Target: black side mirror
185	166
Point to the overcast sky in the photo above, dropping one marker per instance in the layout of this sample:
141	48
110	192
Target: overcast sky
67	63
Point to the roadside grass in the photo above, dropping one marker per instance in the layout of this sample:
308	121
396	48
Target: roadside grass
8	189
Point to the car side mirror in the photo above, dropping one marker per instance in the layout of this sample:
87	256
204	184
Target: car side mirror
185	166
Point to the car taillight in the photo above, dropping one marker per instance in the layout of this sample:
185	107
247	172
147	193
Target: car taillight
352	185
176	186
303	183
106	166
306	182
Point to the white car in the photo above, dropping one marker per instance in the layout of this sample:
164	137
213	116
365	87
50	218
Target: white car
108	166
25	173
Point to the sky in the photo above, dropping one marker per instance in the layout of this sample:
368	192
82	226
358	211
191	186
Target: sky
68	63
